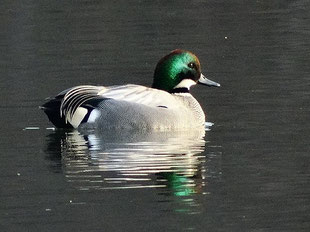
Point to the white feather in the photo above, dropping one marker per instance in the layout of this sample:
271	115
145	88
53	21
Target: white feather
93	116
186	83
78	116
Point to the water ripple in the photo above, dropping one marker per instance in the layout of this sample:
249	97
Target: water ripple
121	160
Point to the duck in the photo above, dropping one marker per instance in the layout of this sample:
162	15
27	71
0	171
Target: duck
166	105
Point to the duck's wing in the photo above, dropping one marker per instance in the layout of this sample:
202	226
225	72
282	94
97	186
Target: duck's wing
139	94
67	105
76	96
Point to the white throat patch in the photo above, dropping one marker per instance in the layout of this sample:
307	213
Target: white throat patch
186	83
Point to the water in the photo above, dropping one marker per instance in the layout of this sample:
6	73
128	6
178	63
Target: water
250	172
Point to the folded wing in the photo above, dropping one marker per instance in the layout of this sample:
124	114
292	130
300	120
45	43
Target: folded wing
76	97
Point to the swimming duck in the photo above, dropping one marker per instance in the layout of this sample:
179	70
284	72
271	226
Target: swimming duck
167	105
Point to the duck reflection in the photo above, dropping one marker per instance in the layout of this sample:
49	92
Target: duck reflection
115	160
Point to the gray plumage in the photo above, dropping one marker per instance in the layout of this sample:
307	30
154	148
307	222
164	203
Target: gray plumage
132	107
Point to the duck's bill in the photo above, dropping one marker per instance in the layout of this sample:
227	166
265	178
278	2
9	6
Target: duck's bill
205	81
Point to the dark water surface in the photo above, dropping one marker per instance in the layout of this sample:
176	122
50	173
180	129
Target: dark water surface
250	172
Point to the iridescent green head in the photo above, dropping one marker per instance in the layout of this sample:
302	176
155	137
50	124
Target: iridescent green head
179	70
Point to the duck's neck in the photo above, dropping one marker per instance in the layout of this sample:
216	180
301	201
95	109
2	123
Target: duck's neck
163	81
165	75
180	90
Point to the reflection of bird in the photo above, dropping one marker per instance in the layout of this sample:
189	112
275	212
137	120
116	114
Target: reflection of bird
143	153
167	105
144	160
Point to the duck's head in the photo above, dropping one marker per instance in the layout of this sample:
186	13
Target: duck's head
178	71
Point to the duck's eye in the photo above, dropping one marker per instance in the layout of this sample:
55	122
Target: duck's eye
191	65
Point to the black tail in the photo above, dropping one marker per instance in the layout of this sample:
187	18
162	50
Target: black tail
52	110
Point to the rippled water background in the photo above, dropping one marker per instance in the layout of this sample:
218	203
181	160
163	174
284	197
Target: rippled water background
250	172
